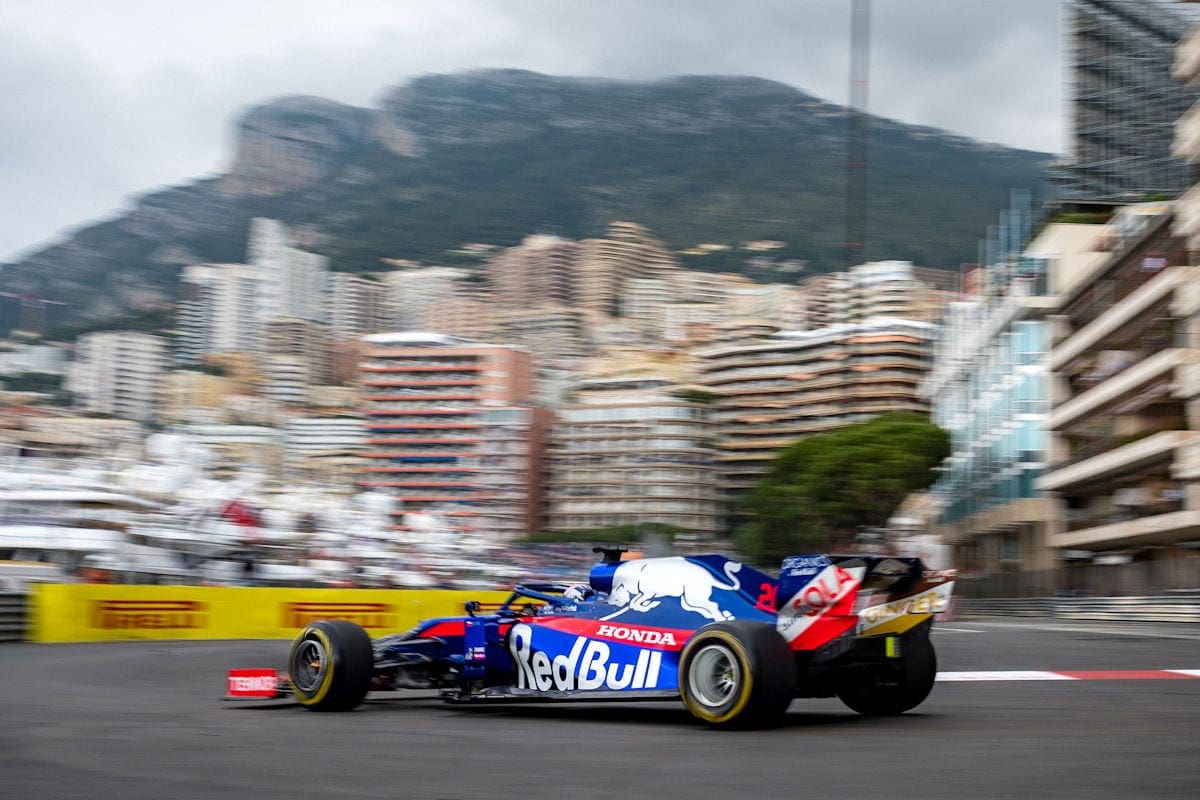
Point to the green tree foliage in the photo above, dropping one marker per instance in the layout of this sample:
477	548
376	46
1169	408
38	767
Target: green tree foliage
822	489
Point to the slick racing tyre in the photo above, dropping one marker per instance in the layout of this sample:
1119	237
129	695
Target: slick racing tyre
893	688
330	665
737	674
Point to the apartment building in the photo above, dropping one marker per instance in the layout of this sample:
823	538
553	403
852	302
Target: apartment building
540	271
424	397
1125	423
296	358
410	291
513	470
826	299
292	281
643	301
989	389
118	373
775	390
357	306
218	311
630	451
627	251
895	289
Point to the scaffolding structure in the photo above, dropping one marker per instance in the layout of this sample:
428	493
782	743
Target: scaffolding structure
1123	100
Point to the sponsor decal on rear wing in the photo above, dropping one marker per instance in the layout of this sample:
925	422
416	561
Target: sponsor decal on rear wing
899	612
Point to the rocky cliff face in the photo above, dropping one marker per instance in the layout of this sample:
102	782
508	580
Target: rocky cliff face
293	143
493	155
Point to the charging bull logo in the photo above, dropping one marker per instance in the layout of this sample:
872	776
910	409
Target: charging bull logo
640	585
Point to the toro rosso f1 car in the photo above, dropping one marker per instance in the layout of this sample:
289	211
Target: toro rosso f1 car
735	644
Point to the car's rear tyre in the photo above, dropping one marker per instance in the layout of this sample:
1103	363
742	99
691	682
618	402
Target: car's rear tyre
737	674
330	665
893	688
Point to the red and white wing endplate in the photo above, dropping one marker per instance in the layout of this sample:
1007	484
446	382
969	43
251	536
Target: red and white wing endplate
822	610
252	683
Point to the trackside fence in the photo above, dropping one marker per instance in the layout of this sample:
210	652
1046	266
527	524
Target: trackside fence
13	616
1184	607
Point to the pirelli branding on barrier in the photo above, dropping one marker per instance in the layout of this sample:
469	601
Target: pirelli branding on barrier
97	612
148	614
369	615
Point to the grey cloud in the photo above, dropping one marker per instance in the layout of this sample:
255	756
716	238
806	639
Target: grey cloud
78	135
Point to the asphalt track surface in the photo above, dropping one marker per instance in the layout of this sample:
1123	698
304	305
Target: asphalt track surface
144	720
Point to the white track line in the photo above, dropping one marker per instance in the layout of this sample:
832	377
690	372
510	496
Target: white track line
1002	675
1067	675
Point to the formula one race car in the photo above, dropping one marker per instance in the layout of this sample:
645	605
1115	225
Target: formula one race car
734	643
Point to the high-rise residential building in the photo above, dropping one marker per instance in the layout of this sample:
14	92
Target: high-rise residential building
826	299
218	311
118	373
292	282
990	390
540	271
224	308
425	395
1123	99
410	291
627	251
776	390
358	306
643	300
631	451
892	289
300	339
1125	421
512	470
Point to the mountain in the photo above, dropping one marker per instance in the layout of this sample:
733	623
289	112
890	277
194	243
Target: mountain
491	156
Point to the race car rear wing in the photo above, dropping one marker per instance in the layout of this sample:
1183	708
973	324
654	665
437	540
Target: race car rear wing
822	597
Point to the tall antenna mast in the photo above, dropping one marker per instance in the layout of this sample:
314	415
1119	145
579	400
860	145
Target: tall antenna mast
855	244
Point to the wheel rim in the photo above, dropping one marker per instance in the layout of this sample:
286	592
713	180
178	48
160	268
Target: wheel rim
715	676
309	665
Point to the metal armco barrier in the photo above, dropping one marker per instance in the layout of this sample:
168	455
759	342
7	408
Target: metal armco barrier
12	616
1165	608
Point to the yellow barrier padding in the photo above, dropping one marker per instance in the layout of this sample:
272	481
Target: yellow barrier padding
100	613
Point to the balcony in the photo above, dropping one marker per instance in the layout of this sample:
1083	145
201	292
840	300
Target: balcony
1117	317
1158	367
1159	528
1106	459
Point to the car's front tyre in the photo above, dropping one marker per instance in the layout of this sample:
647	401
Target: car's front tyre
737	674
330	665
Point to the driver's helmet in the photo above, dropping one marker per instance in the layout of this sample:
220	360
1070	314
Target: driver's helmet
578	592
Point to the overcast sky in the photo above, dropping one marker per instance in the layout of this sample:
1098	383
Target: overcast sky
105	100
